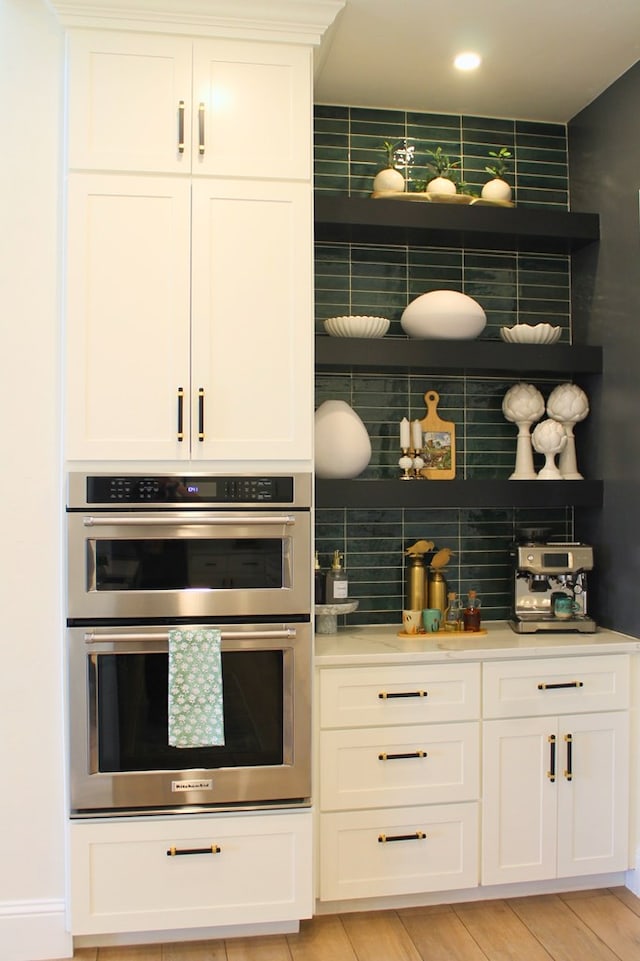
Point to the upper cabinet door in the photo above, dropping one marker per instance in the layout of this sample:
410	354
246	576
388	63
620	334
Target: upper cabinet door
252	110
129	100
149	103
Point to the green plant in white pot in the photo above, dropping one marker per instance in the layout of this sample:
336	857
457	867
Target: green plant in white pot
389	178
498	189
442	170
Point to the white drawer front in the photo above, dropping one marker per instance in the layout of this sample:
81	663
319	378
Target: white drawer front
355	863
556	685
390	694
123	880
387	767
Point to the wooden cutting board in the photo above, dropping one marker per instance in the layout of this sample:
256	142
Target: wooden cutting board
439	442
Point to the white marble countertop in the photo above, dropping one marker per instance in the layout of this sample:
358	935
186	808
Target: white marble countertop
381	645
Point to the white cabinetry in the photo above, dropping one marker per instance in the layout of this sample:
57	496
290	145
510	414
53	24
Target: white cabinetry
555	761
189	260
245	869
187	306
399	779
166	104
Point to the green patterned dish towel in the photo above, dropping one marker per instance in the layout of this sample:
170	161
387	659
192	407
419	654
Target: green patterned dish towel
196	715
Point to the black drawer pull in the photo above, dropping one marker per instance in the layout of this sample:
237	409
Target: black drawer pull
396	757
386	696
387	838
554	687
177	852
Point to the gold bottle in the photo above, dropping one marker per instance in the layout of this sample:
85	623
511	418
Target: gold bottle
416	592
438	591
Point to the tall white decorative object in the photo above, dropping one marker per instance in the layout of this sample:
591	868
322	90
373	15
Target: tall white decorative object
549	438
342	445
443	315
568	404
523	404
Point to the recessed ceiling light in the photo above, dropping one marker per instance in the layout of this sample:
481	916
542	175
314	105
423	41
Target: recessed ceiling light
467	61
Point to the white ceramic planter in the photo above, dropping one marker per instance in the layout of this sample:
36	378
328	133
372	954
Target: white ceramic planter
342	445
441	185
443	315
496	190
388	179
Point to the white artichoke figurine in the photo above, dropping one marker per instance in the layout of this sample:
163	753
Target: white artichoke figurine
568	404
549	438
523	404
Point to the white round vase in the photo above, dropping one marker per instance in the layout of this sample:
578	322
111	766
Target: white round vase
441	185
388	179
443	315
342	445
496	189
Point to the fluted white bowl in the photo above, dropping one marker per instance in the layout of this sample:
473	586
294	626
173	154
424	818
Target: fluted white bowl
357	326
530	334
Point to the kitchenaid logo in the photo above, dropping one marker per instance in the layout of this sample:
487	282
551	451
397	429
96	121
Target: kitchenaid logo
192	786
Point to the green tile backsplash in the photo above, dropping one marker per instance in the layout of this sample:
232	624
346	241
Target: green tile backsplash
512	287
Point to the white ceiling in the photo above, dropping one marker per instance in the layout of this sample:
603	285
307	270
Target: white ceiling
542	59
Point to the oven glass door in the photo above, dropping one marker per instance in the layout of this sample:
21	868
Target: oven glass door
188	565
120	755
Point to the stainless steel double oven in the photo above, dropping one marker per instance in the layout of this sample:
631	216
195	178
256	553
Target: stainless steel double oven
147	553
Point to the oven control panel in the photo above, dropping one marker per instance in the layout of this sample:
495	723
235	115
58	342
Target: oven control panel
197	490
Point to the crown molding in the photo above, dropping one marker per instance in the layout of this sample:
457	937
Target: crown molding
290	21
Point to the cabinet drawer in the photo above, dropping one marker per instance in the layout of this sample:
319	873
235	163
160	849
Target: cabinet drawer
439	852
556	685
390	694
122	878
387	767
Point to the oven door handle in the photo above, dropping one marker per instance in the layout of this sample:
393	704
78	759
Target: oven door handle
92	638
276	521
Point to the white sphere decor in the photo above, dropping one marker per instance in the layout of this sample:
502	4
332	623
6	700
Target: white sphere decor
388	179
342	445
496	190
441	185
443	315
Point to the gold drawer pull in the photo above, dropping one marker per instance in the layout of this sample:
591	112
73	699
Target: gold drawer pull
387	838
397	757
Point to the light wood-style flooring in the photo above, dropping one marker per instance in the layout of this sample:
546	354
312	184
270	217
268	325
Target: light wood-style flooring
602	925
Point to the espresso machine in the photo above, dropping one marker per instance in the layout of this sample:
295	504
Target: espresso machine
550	587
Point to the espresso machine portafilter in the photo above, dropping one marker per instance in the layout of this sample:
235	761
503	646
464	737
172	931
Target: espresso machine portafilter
550	587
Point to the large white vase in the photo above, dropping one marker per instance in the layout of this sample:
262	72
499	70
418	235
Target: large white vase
342	445
443	315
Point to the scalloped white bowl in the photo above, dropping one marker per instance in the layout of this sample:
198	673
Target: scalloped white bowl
357	326
530	334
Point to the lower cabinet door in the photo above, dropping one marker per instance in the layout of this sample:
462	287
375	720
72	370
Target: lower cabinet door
171	873
402	851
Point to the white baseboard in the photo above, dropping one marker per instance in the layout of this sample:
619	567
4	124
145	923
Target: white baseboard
188	934
34	931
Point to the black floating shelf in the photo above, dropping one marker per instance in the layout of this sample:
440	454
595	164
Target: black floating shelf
367	221
455	356
457	493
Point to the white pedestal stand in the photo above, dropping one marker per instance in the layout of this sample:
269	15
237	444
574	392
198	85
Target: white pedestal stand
327	615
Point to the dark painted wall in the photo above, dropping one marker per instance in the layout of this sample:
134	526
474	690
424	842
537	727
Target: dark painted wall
604	176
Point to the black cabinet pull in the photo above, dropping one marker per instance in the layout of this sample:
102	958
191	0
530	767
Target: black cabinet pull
201	414
395	757
551	773
387	838
181	126
178	852
569	770
385	696
555	687
180	414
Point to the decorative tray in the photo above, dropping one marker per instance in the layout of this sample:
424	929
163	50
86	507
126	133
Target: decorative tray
443	633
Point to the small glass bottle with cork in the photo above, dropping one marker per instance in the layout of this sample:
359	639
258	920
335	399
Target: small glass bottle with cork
471	613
